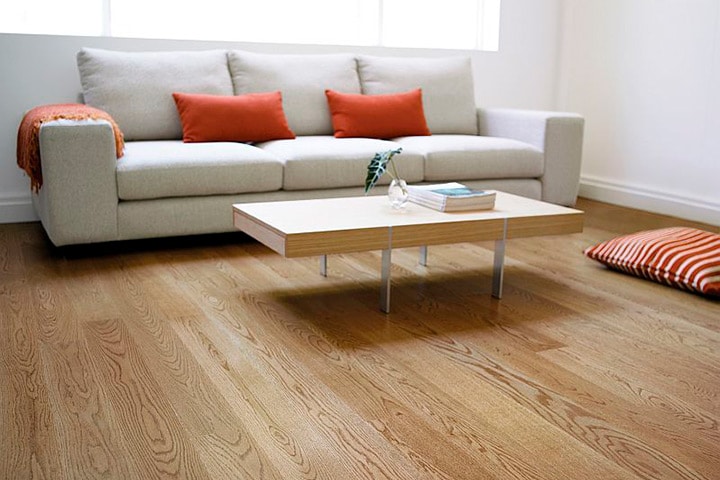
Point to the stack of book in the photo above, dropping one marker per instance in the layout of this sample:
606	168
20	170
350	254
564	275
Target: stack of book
451	197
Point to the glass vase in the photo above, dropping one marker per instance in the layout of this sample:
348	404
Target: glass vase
398	193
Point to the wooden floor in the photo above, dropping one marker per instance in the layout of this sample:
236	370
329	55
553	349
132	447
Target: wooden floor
216	358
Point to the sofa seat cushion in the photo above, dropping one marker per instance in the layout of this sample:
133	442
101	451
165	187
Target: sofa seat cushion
329	162
302	79
470	157
171	168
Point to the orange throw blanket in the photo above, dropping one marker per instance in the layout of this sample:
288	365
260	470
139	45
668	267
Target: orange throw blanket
28	143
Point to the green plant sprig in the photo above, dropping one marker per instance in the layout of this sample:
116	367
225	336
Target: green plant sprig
379	165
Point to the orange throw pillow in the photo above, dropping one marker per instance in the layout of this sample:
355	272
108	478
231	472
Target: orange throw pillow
682	257
255	117
377	116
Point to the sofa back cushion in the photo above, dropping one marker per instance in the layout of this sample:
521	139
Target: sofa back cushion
446	83
136	88
302	79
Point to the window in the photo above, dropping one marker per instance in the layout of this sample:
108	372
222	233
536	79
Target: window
53	17
276	21
446	24
460	24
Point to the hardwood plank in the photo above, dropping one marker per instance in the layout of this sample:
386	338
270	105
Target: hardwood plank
447	412
611	327
225	447
403	426
21	387
213	357
301	391
73	384
601	325
602	401
617	444
579	423
145	416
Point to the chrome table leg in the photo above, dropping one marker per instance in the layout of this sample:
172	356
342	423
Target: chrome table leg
499	264
385	282
323	265
423	255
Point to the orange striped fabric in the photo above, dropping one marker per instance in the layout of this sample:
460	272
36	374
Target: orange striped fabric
686	258
28	139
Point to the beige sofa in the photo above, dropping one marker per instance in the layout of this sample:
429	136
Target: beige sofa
164	187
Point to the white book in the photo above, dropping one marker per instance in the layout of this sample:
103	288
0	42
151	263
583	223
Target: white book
451	197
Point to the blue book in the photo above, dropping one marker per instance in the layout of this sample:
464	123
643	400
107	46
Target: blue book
452	197
462	192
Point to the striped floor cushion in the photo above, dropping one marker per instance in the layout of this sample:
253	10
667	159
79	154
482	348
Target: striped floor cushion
686	258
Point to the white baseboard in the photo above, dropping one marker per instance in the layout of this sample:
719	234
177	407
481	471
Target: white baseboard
655	201
16	209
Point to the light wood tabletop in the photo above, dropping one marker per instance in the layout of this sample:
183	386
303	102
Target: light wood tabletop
322	227
343	225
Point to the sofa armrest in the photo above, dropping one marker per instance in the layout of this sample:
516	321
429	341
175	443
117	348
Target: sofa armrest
559	135
78	200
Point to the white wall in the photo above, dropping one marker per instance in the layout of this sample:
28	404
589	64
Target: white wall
41	69
646	76
644	73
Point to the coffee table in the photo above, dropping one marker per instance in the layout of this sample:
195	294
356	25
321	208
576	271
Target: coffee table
302	228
